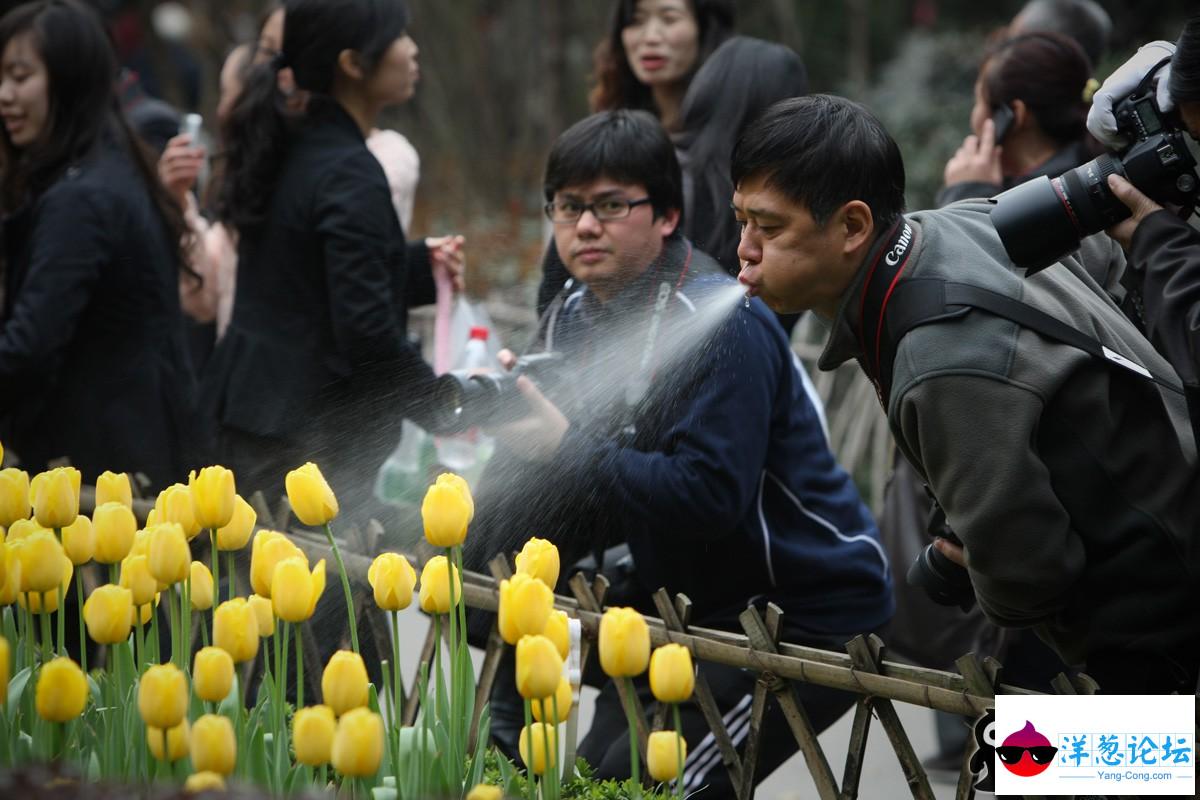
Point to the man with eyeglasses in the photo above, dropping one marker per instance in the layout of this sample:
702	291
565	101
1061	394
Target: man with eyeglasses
677	425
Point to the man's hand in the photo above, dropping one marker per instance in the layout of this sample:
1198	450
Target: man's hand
978	160
179	166
537	436
1138	203
950	550
446	252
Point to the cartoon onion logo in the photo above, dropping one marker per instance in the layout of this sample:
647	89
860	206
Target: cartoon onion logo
1026	752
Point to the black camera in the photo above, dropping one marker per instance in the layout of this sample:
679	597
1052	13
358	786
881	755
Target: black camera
946	583
1044	219
466	399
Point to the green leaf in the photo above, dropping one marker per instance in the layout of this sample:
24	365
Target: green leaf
260	768
298	778
229	706
16	688
94	691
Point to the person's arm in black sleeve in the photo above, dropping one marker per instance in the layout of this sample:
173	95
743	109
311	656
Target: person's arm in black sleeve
1166	251
420	289
554	277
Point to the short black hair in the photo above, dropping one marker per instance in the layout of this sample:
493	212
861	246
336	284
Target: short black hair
1184	82
1085	21
823	151
624	146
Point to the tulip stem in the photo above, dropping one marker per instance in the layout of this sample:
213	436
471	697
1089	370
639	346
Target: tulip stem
530	772
634	771
82	640
186	608
398	679
337	556
452	619
114	577
299	666
154	628
216	572
230	567
47	642
204	635
281	731
551	770
678	750
62	621
141	642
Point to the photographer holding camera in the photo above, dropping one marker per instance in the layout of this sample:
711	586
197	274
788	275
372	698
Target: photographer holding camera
1162	247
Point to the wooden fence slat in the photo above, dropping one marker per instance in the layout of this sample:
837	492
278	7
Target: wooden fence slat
758	710
491	657
856	752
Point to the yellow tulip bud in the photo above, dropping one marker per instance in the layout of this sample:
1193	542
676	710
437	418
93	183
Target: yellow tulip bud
525	606
539	559
485	791
393	578
22	528
14	495
79	540
264	614
214	745
665	753
624	643
202	587
108	612
47	602
115	527
295	591
212	674
446	511
539	667
42	559
163	696
204	782
435	586
358	743
177	742
558	630
62	691
235	534
174	504
310	496
312	734
5	670
671	674
170	557
141	541
213	494
113	487
136	577
270	547
235	629
536	737
344	683
152	518
562	696
55	496
10	575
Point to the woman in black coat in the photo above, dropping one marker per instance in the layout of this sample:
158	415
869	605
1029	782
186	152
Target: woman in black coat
92	361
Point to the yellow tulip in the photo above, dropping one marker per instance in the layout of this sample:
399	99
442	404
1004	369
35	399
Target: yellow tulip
79	540
235	534
170	556
310	495
202	587
108	612
485	791
14	495
115	527
47	602
312	734
152	518
539	735
269	548
264	614
213	494
562	696
671	674
141	541
525	606
435	586
141	614
10	575
177	742
42	560
539	667
163	696
212	674
393	578
136	577
539	559
113	487
295	591
558	630
665	752
55	496
204	782
624	643
344	683
358	743
5	670
235	629
214	745
174	504
62	691
21	529
447	511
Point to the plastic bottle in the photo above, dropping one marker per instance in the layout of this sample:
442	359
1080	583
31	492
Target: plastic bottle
462	452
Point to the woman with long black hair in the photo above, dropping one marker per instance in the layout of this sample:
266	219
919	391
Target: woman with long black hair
315	364
93	365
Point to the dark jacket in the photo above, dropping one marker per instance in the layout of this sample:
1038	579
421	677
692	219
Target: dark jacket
710	462
1068	157
316	356
92	360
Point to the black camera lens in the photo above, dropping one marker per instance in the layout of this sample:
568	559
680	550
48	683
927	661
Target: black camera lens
946	583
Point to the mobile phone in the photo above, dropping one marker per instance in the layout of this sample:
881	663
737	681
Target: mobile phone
1002	120
191	126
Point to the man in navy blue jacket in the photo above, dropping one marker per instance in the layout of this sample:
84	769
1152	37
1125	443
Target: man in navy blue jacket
678	423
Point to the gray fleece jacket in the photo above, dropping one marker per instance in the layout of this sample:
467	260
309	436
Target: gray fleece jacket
1073	485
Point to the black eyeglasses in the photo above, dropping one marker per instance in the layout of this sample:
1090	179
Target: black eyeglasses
1040	755
562	212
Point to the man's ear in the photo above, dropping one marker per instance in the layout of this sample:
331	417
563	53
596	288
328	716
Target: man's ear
668	222
1020	114
858	225
350	64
